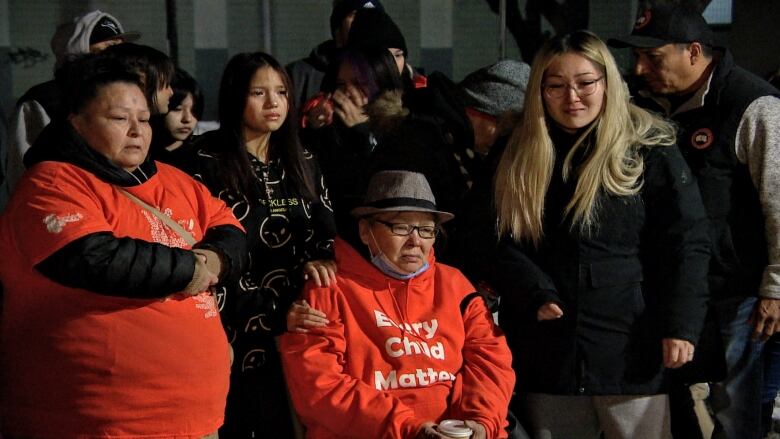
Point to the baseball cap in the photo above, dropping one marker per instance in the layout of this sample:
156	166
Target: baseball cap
666	24
108	28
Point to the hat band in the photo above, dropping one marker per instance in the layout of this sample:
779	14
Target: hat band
402	202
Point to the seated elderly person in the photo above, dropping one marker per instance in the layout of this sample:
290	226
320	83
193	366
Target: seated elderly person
107	326
407	343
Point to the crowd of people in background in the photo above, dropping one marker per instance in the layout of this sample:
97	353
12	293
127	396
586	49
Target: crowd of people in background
362	249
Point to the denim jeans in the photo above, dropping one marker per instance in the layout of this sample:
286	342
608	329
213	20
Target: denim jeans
771	360
736	400
771	369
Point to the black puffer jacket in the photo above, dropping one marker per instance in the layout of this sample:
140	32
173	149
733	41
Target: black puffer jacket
638	277
307	73
124	267
432	135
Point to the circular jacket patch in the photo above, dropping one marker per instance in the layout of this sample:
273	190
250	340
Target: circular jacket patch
702	138
643	19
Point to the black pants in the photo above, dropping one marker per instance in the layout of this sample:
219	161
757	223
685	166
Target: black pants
257	404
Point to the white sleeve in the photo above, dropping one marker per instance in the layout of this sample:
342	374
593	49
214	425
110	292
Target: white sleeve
30	118
758	145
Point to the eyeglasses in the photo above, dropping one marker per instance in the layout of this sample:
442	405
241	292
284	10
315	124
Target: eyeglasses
582	88
401	229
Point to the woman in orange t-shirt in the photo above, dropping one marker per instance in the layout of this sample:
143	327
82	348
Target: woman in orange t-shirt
108	329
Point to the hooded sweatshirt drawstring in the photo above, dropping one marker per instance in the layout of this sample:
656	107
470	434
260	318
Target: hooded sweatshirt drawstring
403	316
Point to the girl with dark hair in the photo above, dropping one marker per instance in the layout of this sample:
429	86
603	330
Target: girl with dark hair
375	29
256	164
154	67
363	85
173	131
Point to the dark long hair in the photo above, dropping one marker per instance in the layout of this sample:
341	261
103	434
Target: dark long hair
183	84
373	68
155	67
234	165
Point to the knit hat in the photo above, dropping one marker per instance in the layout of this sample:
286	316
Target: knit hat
664	24
342	8
399	191
372	29
497	88
75	36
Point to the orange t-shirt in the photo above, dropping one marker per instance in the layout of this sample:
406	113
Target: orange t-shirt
81	364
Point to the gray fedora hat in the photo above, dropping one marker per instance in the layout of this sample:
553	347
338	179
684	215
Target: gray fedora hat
399	191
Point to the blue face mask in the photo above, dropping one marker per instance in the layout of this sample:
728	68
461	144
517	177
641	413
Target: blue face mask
387	267
384	265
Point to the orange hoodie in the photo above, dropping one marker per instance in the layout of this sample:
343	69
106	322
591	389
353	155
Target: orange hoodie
396	354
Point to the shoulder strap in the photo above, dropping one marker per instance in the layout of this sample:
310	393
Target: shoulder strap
187	236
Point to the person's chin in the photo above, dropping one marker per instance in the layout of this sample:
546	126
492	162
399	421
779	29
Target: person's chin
659	88
132	159
410	267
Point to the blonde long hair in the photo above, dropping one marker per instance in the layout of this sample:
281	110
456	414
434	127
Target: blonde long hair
612	159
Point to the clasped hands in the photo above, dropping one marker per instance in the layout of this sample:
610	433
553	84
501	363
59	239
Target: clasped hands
206	273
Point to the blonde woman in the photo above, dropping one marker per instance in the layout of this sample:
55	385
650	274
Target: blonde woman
603	253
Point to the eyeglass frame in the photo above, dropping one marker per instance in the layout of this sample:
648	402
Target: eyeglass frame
412	228
568	87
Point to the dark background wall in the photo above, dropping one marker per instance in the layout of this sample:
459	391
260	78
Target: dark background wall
455	36
754	37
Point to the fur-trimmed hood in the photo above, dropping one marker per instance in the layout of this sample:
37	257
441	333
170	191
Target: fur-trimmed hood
386	112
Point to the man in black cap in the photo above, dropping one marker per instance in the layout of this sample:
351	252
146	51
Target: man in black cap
307	73
729	133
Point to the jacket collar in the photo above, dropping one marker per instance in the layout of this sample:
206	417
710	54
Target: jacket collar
718	75
59	142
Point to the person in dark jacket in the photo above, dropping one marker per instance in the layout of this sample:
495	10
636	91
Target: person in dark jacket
122	335
448	131
601	267
359	81
729	133
375	29
174	130
372	30
307	73
256	164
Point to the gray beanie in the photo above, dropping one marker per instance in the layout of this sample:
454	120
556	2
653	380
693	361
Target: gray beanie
497	88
